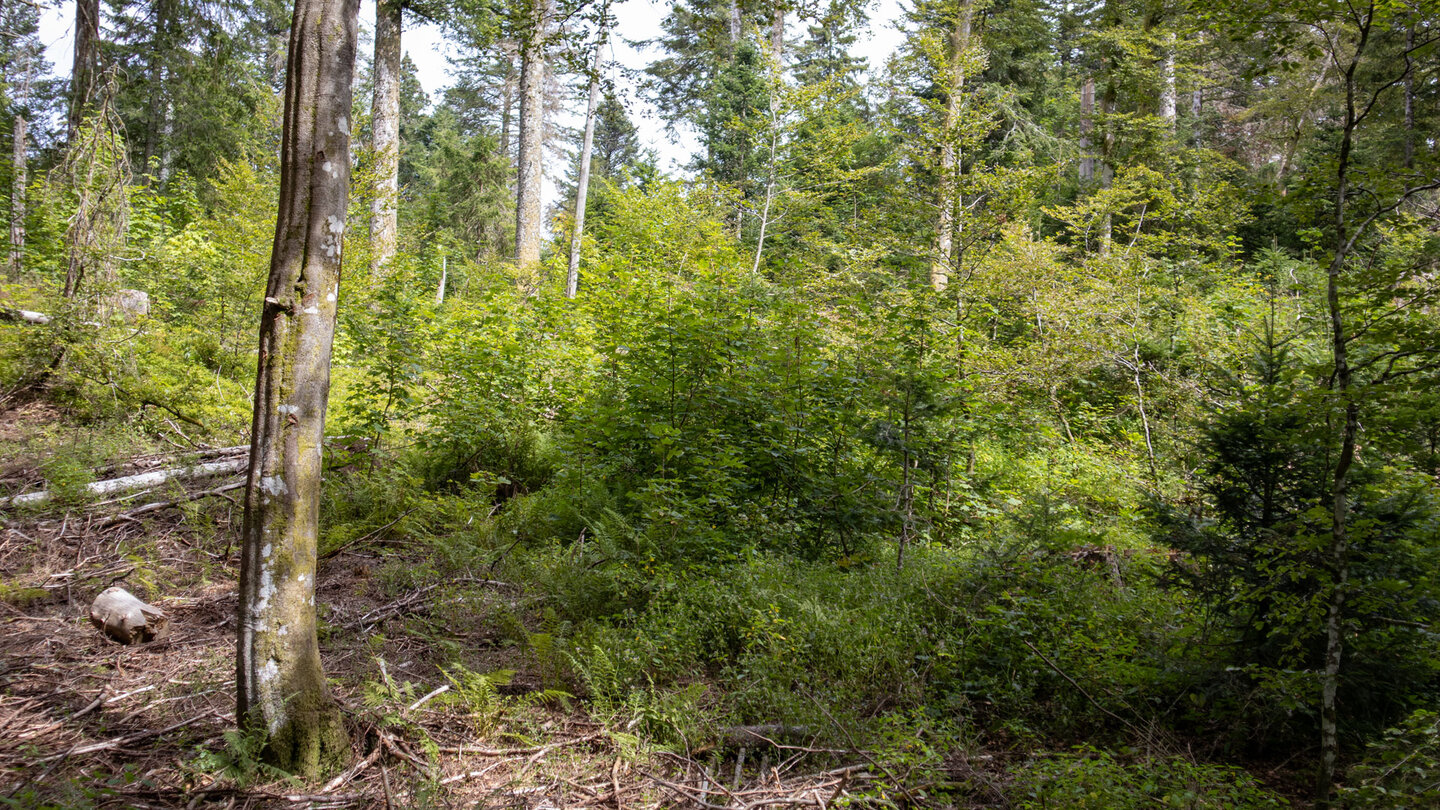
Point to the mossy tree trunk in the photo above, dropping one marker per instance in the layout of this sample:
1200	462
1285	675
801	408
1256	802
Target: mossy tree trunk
281	689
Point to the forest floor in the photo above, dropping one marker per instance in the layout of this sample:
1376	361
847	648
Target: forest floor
89	722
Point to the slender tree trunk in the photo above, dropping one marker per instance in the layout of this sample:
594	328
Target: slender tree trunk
1169	98
1107	160
735	28
281	688
770	181
572	278
1340	480
1087	127
86	64
444	276
530	172
19	179
1409	98
152	116
385	123
1298	131
1196	108
948	200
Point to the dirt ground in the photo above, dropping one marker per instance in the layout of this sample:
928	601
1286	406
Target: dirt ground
88	722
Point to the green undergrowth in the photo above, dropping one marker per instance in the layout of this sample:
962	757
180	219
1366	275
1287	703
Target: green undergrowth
1018	643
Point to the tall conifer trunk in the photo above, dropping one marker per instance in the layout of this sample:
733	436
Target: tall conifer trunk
1169	98
948	200
19	174
529	168
86	64
17	197
385	123
1087	127
280	687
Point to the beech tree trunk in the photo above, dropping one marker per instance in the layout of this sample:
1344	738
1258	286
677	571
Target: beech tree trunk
1339	550
572	278
529	168
281	688
86	64
385	122
948	200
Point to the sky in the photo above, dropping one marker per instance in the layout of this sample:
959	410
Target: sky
637	21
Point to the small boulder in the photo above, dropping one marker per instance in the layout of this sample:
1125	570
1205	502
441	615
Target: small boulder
122	617
132	305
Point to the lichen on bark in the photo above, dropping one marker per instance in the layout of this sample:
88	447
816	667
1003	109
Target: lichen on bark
281	690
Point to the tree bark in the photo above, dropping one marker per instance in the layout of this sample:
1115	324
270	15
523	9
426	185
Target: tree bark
948	200
1409	156
17	198
1339	551
1107	160
281	688
385	123
86	64
1087	126
1169	98
572	278
530	171
772	168
157	105
777	35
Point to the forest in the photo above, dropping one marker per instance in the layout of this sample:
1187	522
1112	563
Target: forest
1043	415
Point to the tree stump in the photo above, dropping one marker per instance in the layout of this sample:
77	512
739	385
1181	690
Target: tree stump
126	619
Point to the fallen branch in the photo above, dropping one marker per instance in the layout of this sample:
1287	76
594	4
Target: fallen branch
151	479
517	752
439	690
158	505
344	778
460	777
120	742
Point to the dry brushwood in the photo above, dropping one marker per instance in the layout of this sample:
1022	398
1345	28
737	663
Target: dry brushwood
126	619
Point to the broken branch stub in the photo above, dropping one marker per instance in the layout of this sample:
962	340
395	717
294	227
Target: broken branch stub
126	619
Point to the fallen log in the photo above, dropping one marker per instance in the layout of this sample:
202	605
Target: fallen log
141	481
122	617
158	505
23	316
